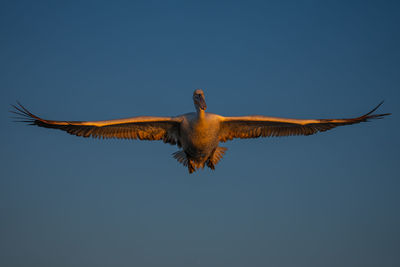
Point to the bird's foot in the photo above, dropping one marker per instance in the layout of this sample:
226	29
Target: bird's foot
210	165
191	168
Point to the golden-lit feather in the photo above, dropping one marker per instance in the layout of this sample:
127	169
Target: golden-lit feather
263	126
143	128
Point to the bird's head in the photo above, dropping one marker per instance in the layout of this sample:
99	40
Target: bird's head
199	100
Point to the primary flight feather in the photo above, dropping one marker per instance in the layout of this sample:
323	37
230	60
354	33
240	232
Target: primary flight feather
197	133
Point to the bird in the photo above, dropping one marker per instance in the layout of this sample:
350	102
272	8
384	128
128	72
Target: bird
198	133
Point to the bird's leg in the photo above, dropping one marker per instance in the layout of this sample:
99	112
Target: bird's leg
210	164
190	166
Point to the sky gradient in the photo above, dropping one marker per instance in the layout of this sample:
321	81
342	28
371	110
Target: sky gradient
331	199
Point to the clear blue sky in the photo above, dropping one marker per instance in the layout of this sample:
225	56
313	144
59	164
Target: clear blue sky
326	200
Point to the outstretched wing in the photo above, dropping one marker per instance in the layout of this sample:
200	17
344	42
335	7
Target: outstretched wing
262	126
143	128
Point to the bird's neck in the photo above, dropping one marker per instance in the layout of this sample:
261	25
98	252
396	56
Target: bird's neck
200	113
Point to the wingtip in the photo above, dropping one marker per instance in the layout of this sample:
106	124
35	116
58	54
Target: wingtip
24	115
374	109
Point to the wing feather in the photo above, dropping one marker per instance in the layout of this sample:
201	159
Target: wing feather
263	126
143	128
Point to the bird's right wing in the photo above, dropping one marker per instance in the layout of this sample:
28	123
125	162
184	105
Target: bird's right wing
143	128
263	126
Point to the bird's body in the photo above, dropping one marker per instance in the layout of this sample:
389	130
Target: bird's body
199	137
198	133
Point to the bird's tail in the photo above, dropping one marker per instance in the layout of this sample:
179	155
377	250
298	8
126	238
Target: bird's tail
218	154
180	156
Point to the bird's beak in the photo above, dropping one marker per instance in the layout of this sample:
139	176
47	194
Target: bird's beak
202	103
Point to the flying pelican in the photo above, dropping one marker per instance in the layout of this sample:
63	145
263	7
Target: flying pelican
197	133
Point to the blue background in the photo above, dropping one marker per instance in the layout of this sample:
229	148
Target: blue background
331	199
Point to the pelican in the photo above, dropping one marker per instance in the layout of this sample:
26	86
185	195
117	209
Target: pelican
198	133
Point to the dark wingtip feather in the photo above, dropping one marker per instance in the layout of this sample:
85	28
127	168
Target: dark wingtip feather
369	115
375	108
26	111
23	115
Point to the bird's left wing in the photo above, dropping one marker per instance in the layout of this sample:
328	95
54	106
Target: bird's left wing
263	126
143	128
